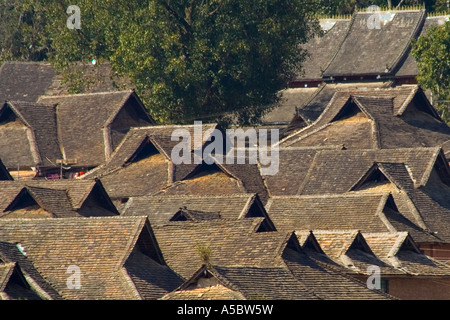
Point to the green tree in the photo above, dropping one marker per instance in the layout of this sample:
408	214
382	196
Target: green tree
432	53
23	35
217	60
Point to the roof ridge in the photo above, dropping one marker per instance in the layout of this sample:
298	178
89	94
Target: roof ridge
128	91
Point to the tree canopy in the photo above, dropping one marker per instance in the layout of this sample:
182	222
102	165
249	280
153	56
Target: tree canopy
432	52
188	59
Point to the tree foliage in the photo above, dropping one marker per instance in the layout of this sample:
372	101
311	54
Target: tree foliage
215	60
432	53
23	35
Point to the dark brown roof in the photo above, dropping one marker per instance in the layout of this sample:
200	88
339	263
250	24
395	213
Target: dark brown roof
293	275
39	123
162	209
117	256
87	123
337	171
366	212
60	199
180	242
219	179
401	251
19	279
350	250
290	100
385	118
366	51
313	107
24	81
242	283
321	49
294	164
142	165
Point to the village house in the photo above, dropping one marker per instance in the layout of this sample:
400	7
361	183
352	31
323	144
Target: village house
93	205
67	134
350	54
117	257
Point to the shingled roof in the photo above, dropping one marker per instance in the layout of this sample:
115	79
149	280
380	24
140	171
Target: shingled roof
91	126
180	242
19	279
292	275
242	283
350	249
29	135
368	212
402	252
409	67
144	159
118	257
294	164
163	209
321	49
24	81
385	118
375	52
418	180
59	199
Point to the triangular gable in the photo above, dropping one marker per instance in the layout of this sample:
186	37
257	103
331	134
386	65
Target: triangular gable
97	202
206	276
14	283
139	112
146	149
404	242
4	173
147	244
359	243
255	209
25	199
291	243
441	166
350	109
10	114
310	242
206	169
419	101
374	176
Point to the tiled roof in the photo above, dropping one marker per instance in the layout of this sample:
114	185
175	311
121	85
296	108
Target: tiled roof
294	164
216	292
180	241
409	66
144	159
56	198
374	119
322	48
162	209
365	212
34	286
400	250
101	248
336	171
369	51
83	118
24	81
